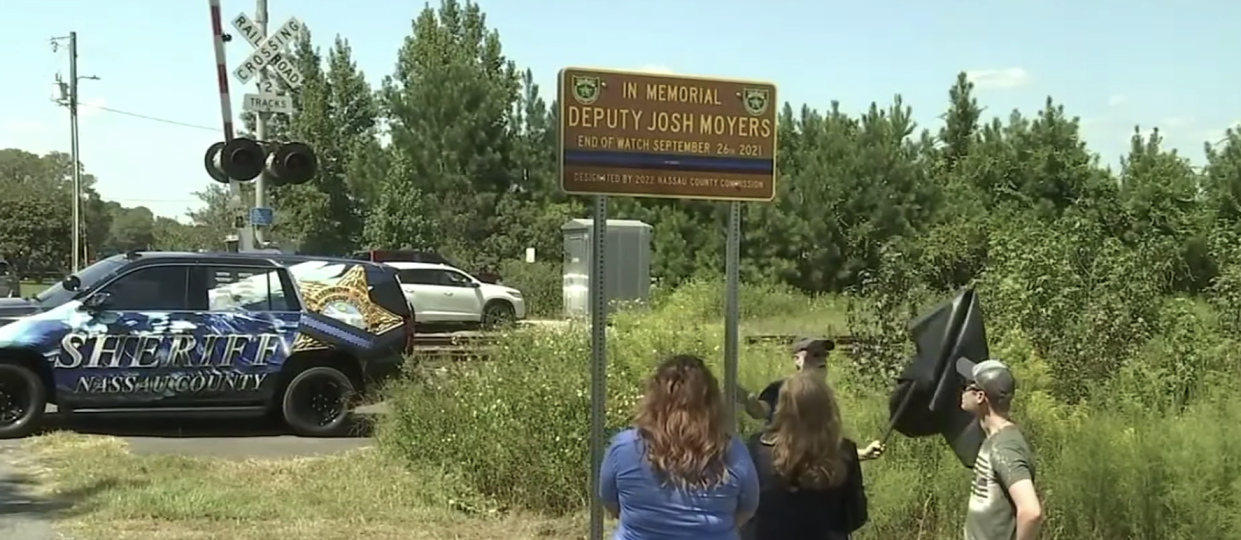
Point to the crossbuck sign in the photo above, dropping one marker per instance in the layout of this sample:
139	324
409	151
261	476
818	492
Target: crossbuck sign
266	53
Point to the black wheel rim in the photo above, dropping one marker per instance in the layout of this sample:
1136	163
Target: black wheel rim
322	400
15	397
497	316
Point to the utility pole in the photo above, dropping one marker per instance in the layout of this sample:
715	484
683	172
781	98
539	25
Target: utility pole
70	99
73	150
260	132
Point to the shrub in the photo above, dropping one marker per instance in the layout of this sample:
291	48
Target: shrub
540	283
514	429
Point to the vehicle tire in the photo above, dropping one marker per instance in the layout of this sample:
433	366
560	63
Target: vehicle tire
22	401
498	313
316	403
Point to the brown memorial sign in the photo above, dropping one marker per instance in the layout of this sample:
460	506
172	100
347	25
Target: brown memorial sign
646	135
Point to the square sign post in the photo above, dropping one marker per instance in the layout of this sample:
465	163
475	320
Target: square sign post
266	58
644	135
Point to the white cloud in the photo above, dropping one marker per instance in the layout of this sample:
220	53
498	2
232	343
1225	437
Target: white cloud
999	79
1116	100
91	106
656	68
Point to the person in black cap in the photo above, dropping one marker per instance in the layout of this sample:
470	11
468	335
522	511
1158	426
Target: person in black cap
1003	503
809	353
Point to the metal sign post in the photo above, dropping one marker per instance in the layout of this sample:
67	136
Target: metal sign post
645	135
266	58
732	319
598	359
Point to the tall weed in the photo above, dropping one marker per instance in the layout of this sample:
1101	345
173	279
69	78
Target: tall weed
513	430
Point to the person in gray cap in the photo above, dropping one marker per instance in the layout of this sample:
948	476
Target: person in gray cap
1003	503
809	353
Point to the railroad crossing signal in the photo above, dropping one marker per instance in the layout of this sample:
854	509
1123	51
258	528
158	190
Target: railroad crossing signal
244	159
239	159
278	63
267	52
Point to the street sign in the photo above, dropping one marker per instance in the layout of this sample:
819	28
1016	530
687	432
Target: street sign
261	217
266	52
268	103
282	67
649	135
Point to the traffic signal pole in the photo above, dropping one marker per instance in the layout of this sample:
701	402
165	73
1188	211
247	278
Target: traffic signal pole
260	132
236	202
236	160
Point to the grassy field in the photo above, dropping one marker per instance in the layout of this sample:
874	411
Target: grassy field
110	494
30	288
498	449
113	494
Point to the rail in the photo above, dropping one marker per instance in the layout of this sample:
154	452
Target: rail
469	346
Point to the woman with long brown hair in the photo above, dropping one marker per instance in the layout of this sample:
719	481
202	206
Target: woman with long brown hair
809	473
678	473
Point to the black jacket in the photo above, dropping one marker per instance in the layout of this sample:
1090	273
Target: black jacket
802	514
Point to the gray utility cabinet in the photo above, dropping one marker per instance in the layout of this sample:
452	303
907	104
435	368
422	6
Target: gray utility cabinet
627	274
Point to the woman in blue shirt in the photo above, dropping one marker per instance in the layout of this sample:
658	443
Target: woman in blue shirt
678	473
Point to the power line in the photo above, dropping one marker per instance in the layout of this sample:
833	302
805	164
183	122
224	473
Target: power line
154	118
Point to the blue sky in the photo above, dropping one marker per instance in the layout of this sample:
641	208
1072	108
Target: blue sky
1113	63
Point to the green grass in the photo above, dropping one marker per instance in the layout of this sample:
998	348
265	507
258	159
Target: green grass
112	494
31	288
513	430
482	450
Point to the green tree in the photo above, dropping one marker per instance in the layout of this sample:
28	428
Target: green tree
456	144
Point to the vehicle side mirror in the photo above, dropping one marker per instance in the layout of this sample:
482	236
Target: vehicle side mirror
71	283
474	284
97	301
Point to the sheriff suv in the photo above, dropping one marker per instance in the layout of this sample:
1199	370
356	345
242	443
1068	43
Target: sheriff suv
296	337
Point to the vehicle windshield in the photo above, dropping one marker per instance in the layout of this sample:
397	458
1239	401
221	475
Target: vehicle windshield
57	294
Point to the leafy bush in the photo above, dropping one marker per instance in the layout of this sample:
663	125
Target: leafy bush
540	283
1115	467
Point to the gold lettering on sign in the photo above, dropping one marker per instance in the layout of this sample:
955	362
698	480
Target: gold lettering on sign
677	93
604	117
685	123
630	90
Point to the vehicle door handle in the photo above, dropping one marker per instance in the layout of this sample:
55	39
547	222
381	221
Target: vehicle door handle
449	293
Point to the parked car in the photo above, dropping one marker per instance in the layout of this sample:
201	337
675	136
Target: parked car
485	275
160	332
443	294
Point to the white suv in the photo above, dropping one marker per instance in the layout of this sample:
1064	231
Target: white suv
443	294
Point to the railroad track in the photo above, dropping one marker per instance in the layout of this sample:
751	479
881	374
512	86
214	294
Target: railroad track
466	346
786	339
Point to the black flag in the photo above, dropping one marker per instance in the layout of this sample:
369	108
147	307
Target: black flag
927	398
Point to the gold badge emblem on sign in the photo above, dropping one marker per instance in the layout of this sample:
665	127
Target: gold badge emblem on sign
756	100
585	89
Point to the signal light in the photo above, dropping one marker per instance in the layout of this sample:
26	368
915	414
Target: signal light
292	164
243	160
239	159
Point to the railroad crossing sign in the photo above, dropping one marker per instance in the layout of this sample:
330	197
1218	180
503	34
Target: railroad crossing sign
267	52
269	103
